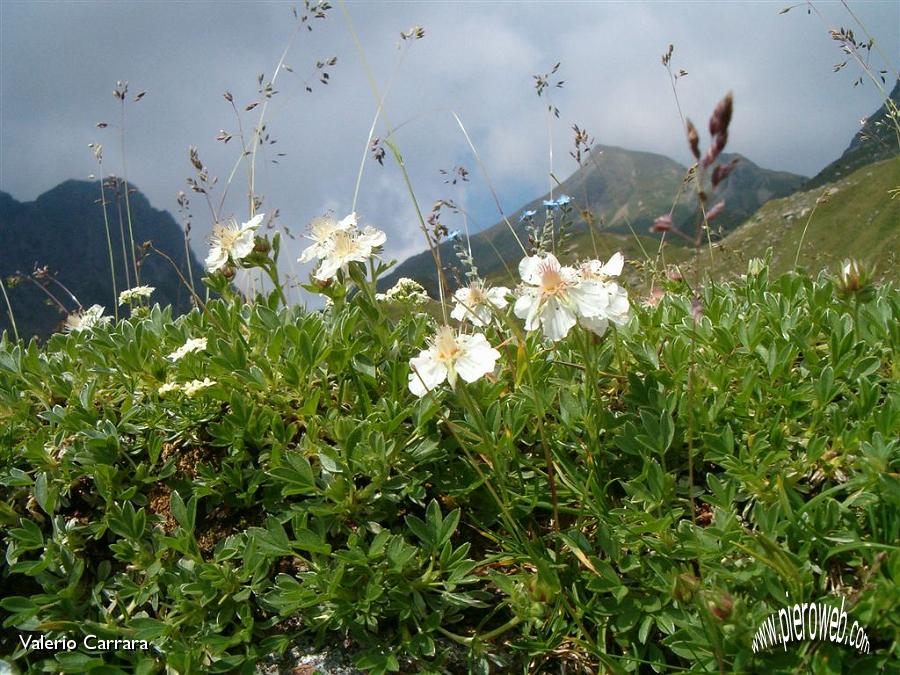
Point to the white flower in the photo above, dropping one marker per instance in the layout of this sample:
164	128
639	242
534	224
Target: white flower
133	294
347	246
231	241
89	318
192	387
192	345
554	297
755	266
476	303
168	387
595	270
616	306
404	291
449	355
617	310
320	231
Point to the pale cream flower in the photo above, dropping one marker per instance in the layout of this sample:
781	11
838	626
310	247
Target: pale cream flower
87	319
476	303
554	297
133	294
232	242
192	387
597	271
616	306
168	387
405	291
347	246
448	356
192	345
617	310
320	231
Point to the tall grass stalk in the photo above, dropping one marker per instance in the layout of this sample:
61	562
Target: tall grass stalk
137	274
257	132
395	151
109	247
806	227
122	235
378	110
9	310
487	179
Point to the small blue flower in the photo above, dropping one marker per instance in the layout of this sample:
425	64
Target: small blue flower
562	200
526	215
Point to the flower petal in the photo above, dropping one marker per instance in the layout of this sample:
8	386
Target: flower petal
216	259
477	358
243	246
371	237
426	373
614	265
327	269
253	223
497	296
556	319
530	270
597	324
526	308
589	297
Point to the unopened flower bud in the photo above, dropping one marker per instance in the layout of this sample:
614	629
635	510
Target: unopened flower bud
662	224
693	139
262	245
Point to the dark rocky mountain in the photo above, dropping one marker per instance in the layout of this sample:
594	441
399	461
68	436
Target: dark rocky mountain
878	139
63	230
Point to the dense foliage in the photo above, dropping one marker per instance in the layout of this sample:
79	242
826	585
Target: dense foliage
708	471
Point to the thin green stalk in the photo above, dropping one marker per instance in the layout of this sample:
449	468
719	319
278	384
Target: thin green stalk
122	235
137	275
379	100
272	271
200	303
187	261
487	179
112	262
467	641
257	134
62	308
805	228
9	310
67	291
378	111
467	402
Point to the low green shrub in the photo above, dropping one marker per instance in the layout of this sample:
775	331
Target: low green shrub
706	472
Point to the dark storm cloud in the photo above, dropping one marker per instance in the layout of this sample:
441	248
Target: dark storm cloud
59	62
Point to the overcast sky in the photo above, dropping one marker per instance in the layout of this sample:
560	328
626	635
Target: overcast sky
59	62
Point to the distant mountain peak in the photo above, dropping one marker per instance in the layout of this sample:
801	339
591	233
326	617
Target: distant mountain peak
875	141
625	190
64	229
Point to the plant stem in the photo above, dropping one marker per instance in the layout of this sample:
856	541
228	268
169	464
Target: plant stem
112	262
137	276
9	310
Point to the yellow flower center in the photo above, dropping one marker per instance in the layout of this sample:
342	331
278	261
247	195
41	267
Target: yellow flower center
552	282
343	244
476	295
445	345
226	236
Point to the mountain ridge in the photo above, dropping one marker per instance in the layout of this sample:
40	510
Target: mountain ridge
626	190
63	229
